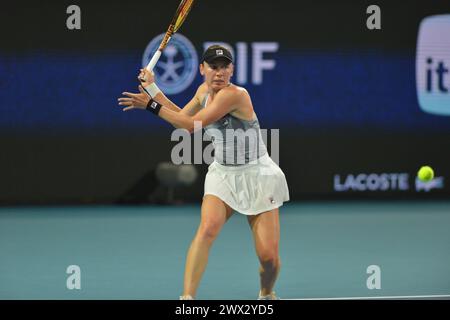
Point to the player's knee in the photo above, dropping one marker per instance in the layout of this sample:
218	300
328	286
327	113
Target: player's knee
209	231
269	258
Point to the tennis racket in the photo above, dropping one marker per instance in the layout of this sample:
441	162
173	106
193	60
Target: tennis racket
180	15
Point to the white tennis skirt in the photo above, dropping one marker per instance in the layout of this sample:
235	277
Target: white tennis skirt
250	189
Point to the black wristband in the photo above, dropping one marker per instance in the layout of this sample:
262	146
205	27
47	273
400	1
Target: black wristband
153	106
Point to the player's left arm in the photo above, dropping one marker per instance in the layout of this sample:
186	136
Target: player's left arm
225	101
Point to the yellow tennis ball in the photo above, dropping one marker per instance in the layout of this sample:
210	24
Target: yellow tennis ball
426	173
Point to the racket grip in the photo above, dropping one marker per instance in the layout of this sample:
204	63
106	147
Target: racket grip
154	60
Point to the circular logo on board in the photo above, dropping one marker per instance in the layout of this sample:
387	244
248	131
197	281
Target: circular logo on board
176	69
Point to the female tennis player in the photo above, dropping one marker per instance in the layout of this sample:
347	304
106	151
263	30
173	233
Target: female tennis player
241	178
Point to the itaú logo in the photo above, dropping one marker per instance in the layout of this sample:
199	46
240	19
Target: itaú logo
436	183
433	64
371	182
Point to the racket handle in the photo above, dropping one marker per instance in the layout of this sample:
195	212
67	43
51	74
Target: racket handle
154	60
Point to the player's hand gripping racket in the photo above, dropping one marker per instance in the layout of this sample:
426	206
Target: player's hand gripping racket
178	19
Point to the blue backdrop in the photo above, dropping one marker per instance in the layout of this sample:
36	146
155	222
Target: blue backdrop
312	90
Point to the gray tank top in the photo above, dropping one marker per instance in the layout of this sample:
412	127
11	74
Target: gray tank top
236	141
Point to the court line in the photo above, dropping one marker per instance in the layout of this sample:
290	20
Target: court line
377	297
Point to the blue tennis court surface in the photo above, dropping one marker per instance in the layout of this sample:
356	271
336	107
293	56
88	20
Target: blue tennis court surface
139	252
